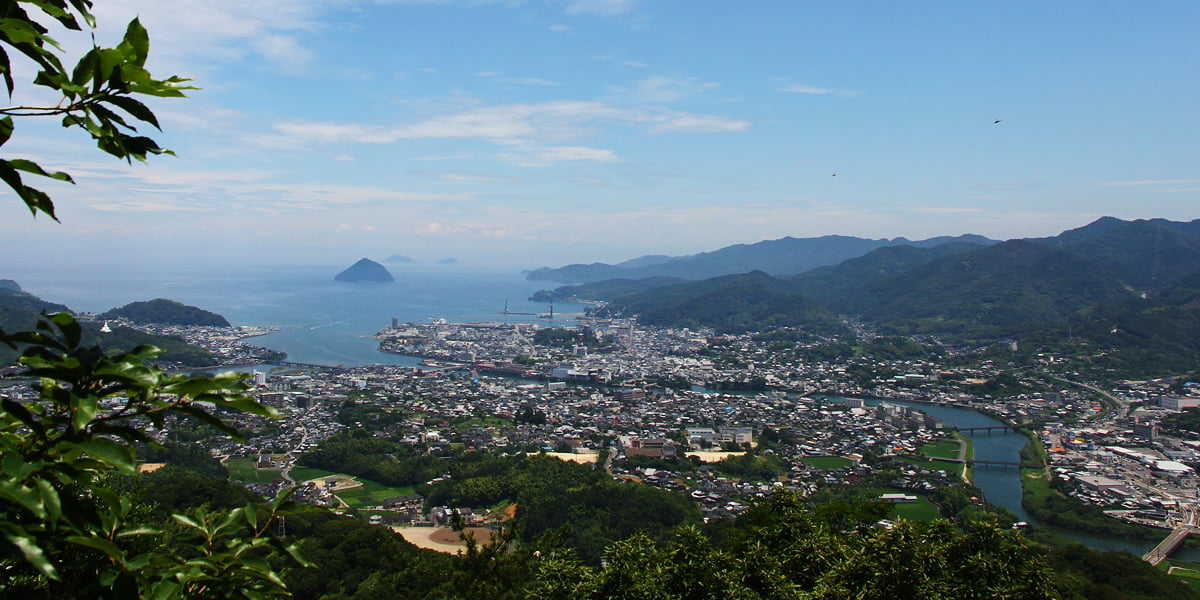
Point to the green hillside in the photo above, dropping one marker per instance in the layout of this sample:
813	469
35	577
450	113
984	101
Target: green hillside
732	303
1004	287
607	289
166	312
825	282
1144	254
19	311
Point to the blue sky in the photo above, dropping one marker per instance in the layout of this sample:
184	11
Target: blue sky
540	133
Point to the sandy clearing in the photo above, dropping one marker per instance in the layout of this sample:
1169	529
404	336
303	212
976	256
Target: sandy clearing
442	539
579	457
712	455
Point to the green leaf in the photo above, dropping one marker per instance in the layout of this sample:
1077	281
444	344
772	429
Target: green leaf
111	453
108	548
166	590
141	530
27	497
19	31
186	520
29	166
109	117
22	414
136	45
85	411
85	69
14	464
251	516
6	129
293	550
33	554
50	501
136	109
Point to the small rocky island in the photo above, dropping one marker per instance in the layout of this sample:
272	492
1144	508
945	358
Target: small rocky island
365	270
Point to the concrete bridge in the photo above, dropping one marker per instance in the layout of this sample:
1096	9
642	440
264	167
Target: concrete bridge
1164	548
991	428
989	463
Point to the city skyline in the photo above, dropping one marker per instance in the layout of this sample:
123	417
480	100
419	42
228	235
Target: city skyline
527	134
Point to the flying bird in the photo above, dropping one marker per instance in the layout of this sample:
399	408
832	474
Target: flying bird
997	121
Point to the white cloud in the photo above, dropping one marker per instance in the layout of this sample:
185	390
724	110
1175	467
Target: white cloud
449	157
511	124
498	76
528	81
466	178
685	123
661	90
133	206
808	89
804	89
948	210
203	31
576	153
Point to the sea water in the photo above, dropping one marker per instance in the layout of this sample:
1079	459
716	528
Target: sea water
321	321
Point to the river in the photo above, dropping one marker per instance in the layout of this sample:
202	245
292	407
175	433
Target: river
1002	486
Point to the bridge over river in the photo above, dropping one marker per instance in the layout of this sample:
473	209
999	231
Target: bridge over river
1164	549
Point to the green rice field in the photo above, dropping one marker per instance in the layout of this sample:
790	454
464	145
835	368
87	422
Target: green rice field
371	494
941	449
242	469
921	510
306	473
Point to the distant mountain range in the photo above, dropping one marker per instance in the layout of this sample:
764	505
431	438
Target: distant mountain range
785	256
1136	283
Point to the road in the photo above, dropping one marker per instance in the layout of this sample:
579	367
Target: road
1178	535
286	473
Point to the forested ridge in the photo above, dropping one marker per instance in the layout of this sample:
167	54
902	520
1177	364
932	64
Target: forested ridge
20	310
166	312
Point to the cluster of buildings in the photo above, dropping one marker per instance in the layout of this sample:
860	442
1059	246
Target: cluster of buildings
1112	451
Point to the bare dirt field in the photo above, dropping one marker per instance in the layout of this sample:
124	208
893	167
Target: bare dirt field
442	539
579	457
713	455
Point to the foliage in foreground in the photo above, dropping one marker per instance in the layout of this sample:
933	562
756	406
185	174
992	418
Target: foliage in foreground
66	531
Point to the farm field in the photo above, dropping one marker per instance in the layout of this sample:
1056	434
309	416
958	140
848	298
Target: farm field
921	510
371	494
242	469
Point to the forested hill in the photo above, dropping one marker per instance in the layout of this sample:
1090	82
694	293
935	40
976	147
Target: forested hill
1145	254
823	283
732	303
19	311
604	290
1005	286
166	312
785	256
18	308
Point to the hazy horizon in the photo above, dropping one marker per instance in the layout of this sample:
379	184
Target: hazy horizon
515	135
